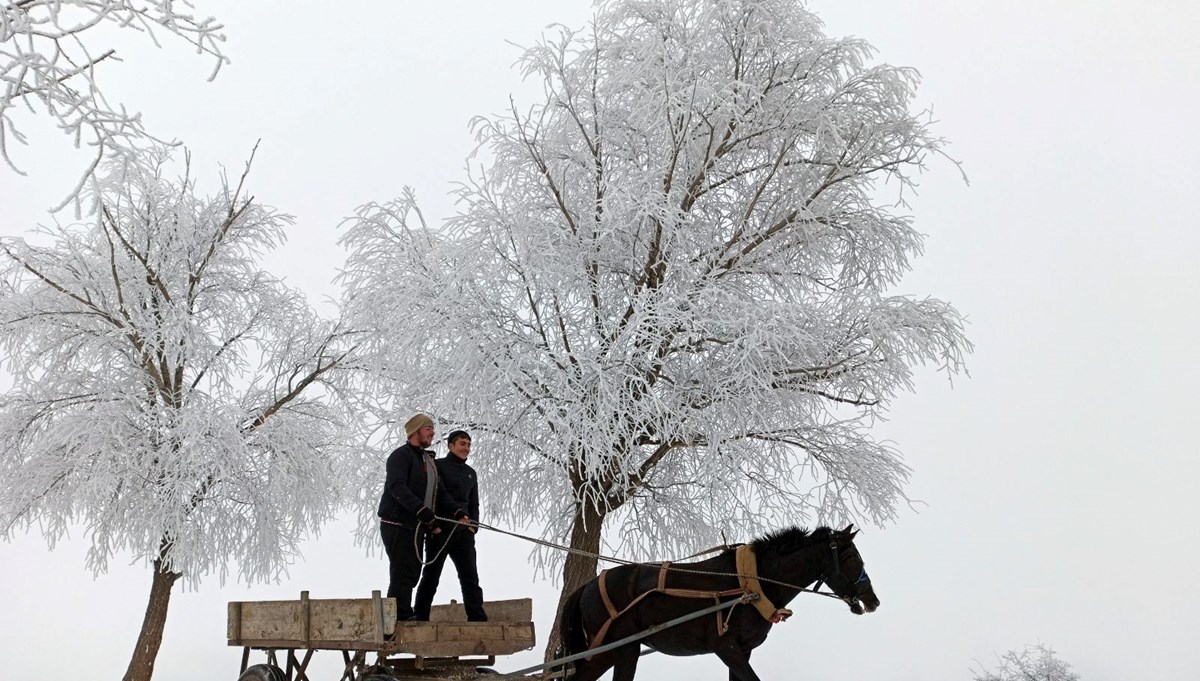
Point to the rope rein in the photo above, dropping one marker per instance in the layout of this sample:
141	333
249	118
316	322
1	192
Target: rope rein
445	545
622	561
416	542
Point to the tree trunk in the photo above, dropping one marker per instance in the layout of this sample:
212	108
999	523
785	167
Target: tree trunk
141	666
579	567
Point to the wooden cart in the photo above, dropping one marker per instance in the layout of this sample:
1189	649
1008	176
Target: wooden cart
358	627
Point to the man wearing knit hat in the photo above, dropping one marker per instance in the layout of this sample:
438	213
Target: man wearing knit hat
410	494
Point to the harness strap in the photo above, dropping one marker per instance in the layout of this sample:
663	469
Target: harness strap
696	593
613	613
608	604
747	569
722	625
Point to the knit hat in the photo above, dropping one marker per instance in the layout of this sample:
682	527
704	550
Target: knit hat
416	423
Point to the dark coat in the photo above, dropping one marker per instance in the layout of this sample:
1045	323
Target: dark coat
460	482
403	495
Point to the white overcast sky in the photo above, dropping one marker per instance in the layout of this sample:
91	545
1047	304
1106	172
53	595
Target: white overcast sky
1056	485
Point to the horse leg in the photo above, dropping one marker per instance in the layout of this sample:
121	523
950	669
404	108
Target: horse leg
738	662
590	670
625	661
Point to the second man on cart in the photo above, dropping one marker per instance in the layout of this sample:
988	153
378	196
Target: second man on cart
456	541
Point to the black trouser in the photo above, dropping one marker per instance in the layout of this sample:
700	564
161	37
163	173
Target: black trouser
459	546
404	565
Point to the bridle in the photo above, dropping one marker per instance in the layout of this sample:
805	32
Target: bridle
850	600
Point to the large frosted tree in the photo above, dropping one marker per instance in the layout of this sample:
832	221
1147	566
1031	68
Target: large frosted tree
175	401
667	303
51	56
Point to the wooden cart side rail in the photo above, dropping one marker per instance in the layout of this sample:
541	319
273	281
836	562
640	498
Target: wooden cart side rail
252	623
510	610
429	640
462	638
311	620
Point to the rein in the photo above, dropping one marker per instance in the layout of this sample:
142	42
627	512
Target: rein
621	561
417	536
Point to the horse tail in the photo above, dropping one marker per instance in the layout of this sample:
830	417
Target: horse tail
570	628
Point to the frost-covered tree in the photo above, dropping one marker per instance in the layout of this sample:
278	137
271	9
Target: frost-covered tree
666	303
50	55
1033	663
175	401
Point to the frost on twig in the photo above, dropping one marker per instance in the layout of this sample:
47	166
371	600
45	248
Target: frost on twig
50	64
1032	663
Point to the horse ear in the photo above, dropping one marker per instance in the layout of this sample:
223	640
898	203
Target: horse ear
849	533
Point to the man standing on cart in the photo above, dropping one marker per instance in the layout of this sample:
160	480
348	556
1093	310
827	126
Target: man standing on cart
454	541
411	492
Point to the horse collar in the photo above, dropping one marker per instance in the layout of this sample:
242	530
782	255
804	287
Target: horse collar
747	573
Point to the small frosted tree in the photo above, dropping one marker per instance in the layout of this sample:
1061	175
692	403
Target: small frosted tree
1033	663
49	63
666	304
170	397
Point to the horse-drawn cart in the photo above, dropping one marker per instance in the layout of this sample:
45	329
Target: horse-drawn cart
660	605
290	632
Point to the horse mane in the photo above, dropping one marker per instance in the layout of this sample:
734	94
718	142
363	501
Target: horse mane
794	538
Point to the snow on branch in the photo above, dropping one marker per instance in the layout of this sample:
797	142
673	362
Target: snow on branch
1031	663
49	64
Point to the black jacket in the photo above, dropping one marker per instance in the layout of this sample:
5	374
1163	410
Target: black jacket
403	495
458	478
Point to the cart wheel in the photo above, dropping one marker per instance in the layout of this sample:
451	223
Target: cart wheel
377	673
262	672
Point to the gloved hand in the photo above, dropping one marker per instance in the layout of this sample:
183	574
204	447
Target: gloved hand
426	515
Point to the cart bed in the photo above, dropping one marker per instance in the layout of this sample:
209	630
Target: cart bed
369	624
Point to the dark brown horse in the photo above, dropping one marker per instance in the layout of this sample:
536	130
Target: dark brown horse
788	561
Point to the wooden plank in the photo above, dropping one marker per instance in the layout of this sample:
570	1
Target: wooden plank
274	620
355	625
349	620
427	648
481	631
377	616
520	634
464	638
513	610
233	630
415	632
343	619
305	616
281	644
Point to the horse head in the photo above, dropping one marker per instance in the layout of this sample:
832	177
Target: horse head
846	575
